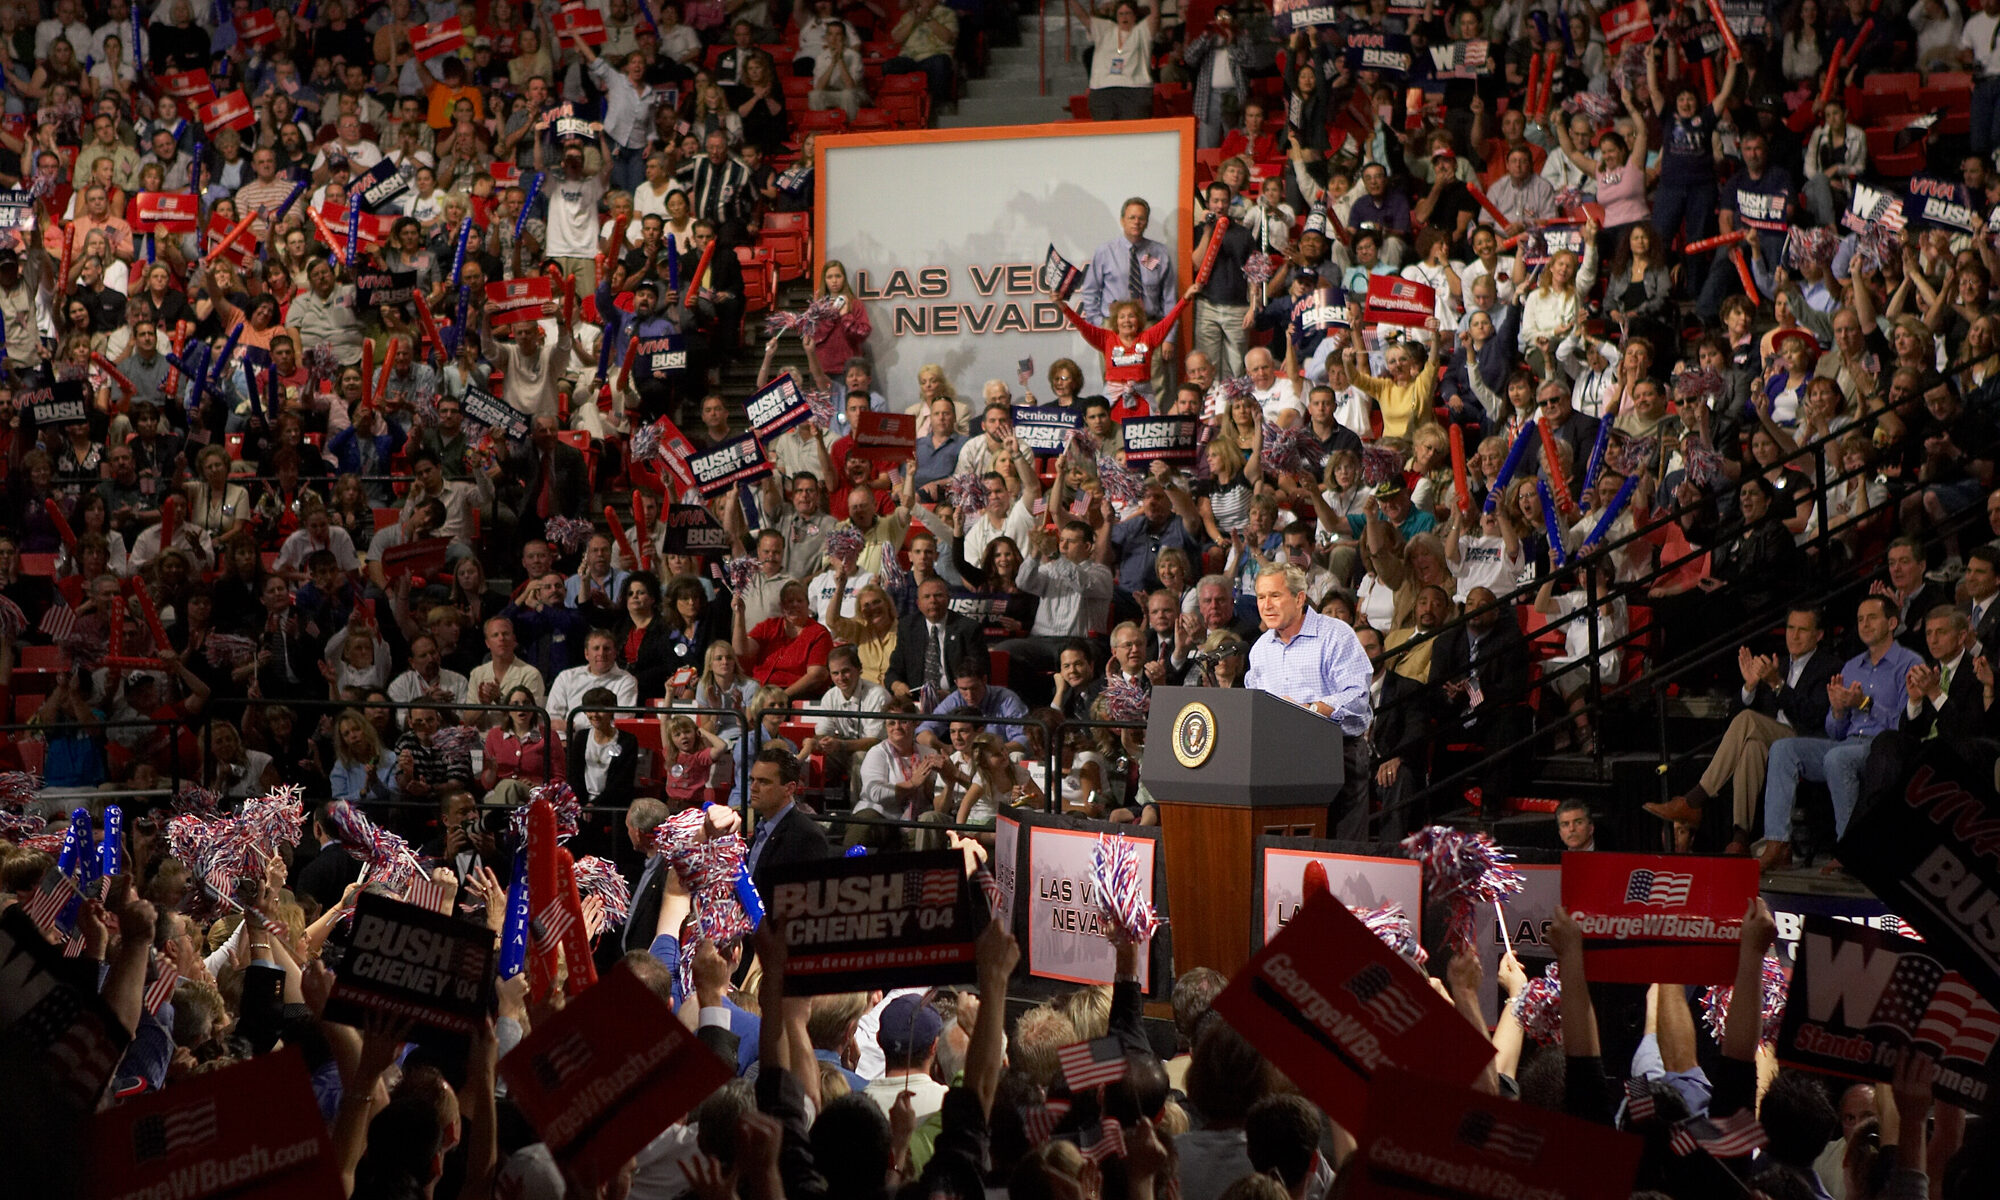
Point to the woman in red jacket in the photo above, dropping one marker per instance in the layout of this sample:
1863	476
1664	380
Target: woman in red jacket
1128	351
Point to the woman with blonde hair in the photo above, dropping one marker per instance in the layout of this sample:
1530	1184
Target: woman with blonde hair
871	631
848	335
1224	499
1404	396
238	772
1556	305
996	781
931	384
362	768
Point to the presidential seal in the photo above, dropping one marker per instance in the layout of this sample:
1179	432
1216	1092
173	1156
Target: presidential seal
1194	735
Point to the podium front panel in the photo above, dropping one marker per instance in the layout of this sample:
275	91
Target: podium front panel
1239	748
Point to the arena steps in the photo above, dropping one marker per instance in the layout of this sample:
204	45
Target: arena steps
1011	91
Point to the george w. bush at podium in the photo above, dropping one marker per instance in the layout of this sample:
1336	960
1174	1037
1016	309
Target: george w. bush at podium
1317	662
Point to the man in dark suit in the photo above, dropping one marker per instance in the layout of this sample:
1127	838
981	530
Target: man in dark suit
784	834
641	819
555	477
326	877
1479	692
1982	598
1783	695
1909	591
931	642
1947	706
718	295
1395	740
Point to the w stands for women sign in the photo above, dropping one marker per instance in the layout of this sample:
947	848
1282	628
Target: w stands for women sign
948	260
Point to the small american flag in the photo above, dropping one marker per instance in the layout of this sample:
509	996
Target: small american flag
170	1133
58	623
161	989
989	887
1109	1142
73	945
1482	1130
428	893
931	887
55	891
1658	887
1911	986
551	927
1381	996
1092	1064
1726	1137
1638	1101
1959	1023
1040	1120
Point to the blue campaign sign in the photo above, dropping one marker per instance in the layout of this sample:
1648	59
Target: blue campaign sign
1045	429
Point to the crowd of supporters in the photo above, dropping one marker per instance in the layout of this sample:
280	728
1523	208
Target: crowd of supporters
267	525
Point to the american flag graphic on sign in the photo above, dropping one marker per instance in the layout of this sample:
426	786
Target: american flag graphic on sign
55	890
930	887
561	1061
1911	986
1482	1130
170	1133
1725	1137
1383	998
1658	887
1959	1023
1092	1064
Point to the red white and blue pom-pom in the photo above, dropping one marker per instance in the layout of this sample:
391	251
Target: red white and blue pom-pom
844	543
1466	871
1698	384
1123	486
1125	699
276	818
1391	924
708	869
1632	69
19	787
644	445
1223	391
1602	110
457	741
1082	444
893	578
1121	898
1380	465
600	878
388	857
1810	247
229	649
1290	451
1257	269
13	622
1715	1003
1568	200
739	573
1633	455
1540	1008
1704	464
967	492
568	534
811	325
18	827
1876	246
820	404
196	799
569	811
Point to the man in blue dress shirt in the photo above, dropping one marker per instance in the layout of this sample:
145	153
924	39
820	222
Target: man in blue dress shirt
1317	662
1866	698
1133	267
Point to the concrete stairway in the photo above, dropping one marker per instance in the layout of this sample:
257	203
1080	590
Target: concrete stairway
1010	94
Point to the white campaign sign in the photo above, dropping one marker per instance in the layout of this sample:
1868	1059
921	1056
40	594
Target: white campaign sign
947	259
1065	937
1006	862
1358	881
1528	917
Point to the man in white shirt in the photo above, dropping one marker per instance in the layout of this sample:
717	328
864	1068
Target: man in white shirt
426	680
843	740
1273	391
908	1033
501	673
67	24
348	144
317	533
1003	516
458	497
597	587
600	669
574	197
1076	601
1979	50
996	427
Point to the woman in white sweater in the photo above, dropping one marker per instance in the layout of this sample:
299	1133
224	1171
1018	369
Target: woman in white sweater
1553	305
1836	154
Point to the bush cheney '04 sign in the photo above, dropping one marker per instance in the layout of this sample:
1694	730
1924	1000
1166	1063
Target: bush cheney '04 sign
1860	999
739	460
604	1076
776	407
1165	439
876	921
491	411
1334	1005
407	961
1656	918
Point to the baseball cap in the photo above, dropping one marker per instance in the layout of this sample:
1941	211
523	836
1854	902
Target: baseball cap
1388	488
909	1027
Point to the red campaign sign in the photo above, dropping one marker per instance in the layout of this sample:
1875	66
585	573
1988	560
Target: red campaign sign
1627	23
228	112
257	28
252	1132
1332	1003
582	24
520	300
885	437
505	174
182	84
1393	300
429	41
1658	918
374	227
1428	1139
240	253
164	212
604	1076
676	451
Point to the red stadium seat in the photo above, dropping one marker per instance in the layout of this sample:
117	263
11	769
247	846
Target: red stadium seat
797	85
909	110
38	564
785	236
1079	107
235	443
760	278
897	84
385	517
871	120
1885	159
1952	92
831	121
43	658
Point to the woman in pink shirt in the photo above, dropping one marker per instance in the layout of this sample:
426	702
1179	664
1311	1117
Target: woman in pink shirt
1620	174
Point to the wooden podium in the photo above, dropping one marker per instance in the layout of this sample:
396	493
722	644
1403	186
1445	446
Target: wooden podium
1225	765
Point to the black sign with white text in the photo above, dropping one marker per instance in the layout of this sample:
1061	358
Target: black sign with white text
1169	439
876	921
406	961
490	410
738	460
